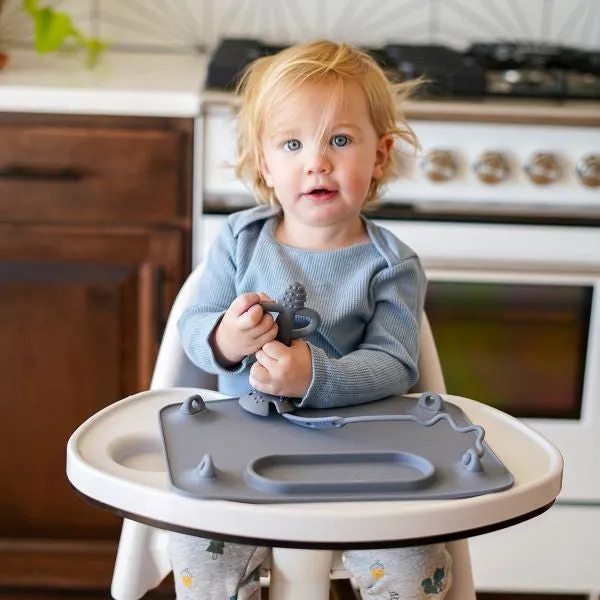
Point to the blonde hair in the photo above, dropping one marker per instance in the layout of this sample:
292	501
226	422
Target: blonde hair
268	80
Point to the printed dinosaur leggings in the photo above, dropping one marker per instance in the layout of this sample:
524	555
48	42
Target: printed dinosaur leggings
211	570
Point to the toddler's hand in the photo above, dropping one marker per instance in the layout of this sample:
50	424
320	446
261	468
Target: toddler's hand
282	370
244	329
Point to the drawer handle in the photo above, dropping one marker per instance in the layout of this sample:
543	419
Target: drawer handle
26	174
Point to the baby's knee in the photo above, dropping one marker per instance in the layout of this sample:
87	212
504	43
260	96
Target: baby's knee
186	549
225	568
402	573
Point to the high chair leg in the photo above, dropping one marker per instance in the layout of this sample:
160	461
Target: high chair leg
300	574
142	561
463	587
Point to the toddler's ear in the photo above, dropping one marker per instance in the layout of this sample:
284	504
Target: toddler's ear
266	175
385	145
268	179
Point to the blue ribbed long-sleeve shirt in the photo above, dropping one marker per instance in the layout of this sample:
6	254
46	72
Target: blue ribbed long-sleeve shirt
369	296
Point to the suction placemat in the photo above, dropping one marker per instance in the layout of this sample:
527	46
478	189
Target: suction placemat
396	448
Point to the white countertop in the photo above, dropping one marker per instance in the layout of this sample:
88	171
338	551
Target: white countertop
165	85
172	85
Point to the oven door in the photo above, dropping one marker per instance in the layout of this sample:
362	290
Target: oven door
515	312
527	344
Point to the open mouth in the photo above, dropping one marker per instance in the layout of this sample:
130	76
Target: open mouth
321	193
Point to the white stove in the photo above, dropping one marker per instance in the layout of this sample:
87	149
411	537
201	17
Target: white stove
503	207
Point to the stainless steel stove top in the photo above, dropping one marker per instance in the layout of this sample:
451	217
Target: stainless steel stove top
503	69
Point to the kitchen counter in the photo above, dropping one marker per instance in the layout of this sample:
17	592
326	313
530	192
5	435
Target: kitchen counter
172	85
164	85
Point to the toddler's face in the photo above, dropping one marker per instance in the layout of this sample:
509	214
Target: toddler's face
323	181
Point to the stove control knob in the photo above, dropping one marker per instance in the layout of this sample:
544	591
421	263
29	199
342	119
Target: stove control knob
439	166
588	169
543	168
491	167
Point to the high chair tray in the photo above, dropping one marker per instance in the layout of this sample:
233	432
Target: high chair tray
224	452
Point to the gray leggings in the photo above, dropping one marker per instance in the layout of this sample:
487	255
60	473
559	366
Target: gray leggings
212	570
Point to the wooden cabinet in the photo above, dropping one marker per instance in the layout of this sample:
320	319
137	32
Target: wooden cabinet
94	245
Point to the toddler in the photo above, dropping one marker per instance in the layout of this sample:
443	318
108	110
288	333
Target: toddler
317	133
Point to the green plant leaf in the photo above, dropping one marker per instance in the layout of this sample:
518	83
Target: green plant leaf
31	6
95	47
51	30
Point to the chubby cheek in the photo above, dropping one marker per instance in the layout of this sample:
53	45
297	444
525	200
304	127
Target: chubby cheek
357	181
287	180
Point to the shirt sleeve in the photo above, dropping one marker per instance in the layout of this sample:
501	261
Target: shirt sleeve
215	293
385	363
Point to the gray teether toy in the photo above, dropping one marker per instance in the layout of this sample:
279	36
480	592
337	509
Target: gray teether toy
290	305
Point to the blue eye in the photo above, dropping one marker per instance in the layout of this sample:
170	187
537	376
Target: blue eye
340	140
293	145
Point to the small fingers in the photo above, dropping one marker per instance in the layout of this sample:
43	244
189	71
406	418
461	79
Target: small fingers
252	317
275	349
259	376
265	360
263	331
265	338
265	297
243	302
260	380
253	313
280	352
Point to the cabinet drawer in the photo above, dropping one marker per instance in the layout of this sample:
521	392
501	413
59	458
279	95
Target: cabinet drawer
78	173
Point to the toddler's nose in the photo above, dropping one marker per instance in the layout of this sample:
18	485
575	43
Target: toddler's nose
318	163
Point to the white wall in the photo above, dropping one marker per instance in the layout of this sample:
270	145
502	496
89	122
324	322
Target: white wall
188	24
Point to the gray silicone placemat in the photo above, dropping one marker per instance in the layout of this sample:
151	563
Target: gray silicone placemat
268	459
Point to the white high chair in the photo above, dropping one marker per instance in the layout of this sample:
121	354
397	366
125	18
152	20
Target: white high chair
142	562
115	458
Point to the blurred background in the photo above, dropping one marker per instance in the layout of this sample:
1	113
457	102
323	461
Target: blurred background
188	25
115	179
